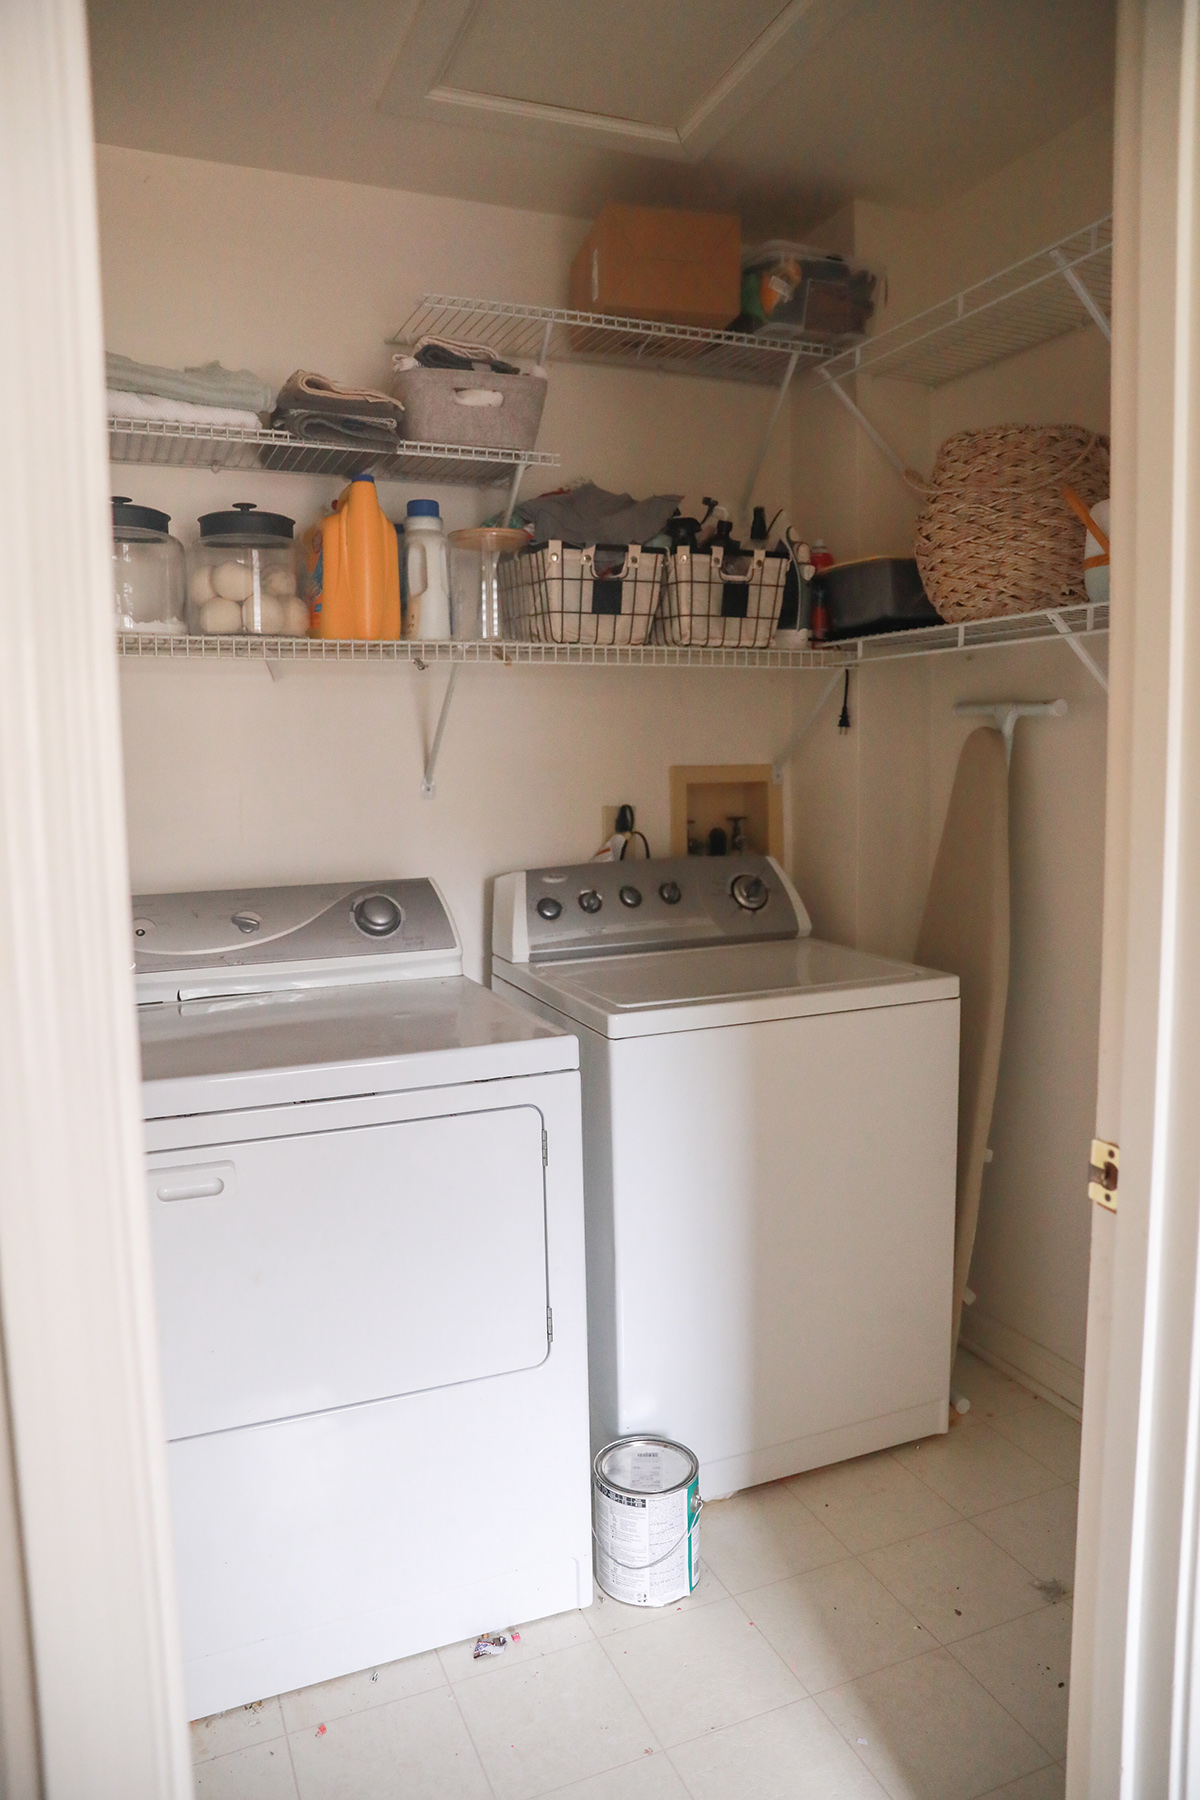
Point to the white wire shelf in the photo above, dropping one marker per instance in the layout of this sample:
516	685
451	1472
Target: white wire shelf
552	334
1056	291
174	444
981	634
493	653
1055	623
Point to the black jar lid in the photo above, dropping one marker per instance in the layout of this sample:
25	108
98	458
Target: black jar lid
245	521
128	517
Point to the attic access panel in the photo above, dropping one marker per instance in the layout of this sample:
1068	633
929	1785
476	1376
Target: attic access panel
670	80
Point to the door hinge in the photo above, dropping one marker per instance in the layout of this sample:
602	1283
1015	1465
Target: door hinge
545	1148
1104	1174
549	1324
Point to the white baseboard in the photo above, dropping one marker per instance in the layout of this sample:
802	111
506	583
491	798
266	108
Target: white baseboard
1046	1374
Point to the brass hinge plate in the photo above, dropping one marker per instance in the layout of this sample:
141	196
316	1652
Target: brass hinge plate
1104	1174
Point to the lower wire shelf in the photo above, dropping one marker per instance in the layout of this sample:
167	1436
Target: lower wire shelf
1070	622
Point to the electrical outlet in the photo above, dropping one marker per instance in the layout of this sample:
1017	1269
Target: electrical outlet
608	819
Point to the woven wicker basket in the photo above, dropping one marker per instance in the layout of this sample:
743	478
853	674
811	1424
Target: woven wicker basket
995	535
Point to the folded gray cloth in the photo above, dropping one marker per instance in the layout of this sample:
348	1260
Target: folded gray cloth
338	428
208	385
591	515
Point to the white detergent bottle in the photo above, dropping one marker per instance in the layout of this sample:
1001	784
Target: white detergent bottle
426	568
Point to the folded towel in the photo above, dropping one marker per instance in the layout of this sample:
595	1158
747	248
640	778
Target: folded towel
338	428
208	385
309	393
151	406
452	353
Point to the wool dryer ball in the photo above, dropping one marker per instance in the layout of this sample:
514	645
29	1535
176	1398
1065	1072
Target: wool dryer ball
233	580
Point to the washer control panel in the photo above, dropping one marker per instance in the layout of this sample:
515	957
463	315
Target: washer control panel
597	909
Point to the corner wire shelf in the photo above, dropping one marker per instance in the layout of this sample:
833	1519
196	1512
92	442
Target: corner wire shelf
1045	296
176	444
554	334
1066	622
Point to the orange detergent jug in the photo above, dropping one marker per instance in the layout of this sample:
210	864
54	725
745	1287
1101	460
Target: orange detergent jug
353	559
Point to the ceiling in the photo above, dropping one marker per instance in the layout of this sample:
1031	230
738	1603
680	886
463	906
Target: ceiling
780	109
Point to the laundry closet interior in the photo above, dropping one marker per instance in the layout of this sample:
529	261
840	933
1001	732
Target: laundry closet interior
288	189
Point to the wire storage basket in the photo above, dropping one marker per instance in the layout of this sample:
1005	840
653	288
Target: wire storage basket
604	594
995	535
722	602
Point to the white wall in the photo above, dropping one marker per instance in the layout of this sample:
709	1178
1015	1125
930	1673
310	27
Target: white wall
234	778
869	807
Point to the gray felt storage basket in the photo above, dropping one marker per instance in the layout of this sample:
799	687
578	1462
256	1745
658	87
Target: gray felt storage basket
470	406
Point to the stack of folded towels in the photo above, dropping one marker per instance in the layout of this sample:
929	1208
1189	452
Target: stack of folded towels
314	407
208	395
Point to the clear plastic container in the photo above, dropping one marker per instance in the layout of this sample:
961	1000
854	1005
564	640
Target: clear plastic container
244	575
475	580
148	571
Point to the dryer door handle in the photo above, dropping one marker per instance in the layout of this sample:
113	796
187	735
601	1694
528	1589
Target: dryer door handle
202	1183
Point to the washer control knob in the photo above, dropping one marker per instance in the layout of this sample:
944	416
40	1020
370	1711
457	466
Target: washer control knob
590	900
378	915
671	892
631	896
751	892
549	908
246	922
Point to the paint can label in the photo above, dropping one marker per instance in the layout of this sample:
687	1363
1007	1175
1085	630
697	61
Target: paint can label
647	1545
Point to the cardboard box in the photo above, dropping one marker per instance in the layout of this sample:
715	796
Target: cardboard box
648	262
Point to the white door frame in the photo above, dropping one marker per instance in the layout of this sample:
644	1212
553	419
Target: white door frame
1134	1655
99	1702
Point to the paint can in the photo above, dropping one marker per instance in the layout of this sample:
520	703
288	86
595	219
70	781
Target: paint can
646	1520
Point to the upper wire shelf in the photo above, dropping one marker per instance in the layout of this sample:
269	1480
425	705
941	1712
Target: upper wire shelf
1044	296
554	334
172	443
979	634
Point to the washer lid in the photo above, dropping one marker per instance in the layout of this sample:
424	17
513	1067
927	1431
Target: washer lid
216	1054
693	990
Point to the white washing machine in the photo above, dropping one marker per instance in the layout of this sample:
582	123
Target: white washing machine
770	1127
366	1200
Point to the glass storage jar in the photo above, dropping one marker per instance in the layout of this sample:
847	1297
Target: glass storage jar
148	580
244	575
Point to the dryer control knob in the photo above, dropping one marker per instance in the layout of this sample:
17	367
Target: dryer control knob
631	896
590	900
548	907
246	922
671	892
378	915
751	892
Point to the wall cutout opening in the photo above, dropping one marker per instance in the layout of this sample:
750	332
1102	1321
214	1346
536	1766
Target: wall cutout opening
711	802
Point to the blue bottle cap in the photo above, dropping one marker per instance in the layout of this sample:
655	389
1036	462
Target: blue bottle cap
423	509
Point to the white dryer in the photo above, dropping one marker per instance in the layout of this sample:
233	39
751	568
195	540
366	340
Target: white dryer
769	1160
366	1204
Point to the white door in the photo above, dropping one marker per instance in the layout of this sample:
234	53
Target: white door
297	1274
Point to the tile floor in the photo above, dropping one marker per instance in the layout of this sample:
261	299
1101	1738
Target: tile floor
895	1626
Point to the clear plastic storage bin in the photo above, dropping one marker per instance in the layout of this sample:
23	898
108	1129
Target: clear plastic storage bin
244	575
722	601
148	571
606	594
